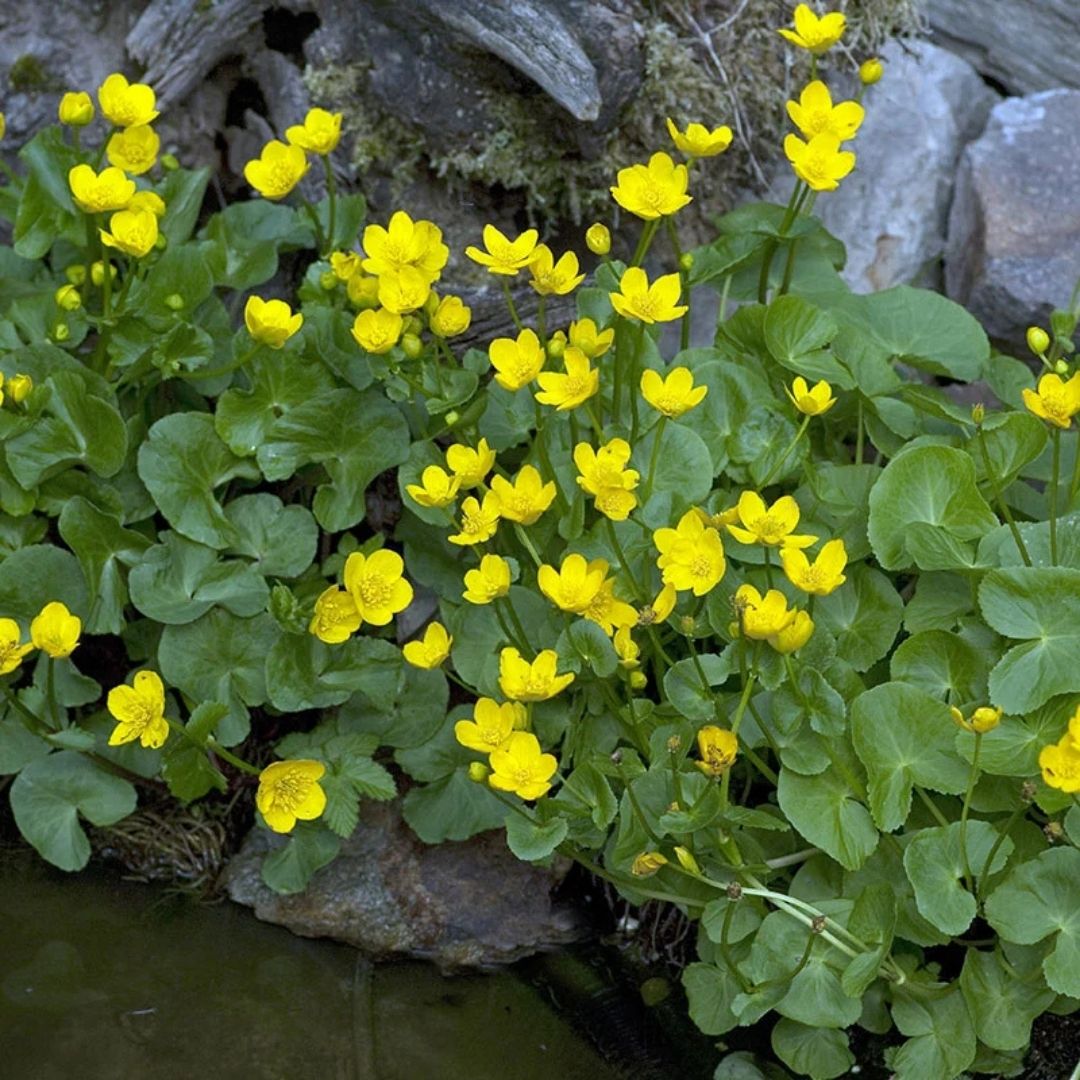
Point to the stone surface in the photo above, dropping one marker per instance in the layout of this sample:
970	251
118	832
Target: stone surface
1025	45
470	904
1014	229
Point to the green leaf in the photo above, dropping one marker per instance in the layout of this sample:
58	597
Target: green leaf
864	616
305	673
51	792
185	766
593	646
341	814
182	271
828	814
281	539
533	841
939	663
710	991
1042	606
35	575
1037	900
18	745
368	777
1001	1005
903	737
183	191
815	700
451	808
684	689
310	847
181	462
246	237
820	1053
683	467
941	1039
1012	441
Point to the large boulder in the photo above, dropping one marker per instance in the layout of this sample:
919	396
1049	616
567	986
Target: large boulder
1014	229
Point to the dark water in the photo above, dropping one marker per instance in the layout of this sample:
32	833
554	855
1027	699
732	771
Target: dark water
103	980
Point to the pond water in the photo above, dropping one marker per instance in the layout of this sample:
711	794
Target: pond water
104	980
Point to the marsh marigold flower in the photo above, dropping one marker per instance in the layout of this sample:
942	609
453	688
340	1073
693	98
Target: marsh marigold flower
289	791
1060	761
567	391
277	169
815	114
718	748
819	163
982	720
126	104
520	766
820	577
489	582
1056	400
19	387
551	278
598	238
271	322
574	586
139	711
816	34
491	725
319	133
450	318
68	298
795	635
697	141
479	520
12	648
526	498
430	651
870	71
772	526
377	586
503	255
134	232
470	466
516	362
336	617
607	610
658	302
654	190
691	555
521	681
405	243
762	617
377	330
405	290
55	630
344	264
811	401
584	335
99	193
135	149
648	863
436	488
603	474
75	109
673	394
626	648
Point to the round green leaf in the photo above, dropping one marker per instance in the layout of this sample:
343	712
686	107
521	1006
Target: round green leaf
820	1053
827	813
281	539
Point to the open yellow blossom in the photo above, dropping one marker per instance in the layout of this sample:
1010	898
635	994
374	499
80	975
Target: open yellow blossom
795	635
134	149
491	725
607	610
654	190
344	264
691	555
377	330
772	526
661	608
12	648
76	109
319	132
718	748
1060	765
626	648
593	343
816	34
489	582
574	586
450	318
870	71
519	766
1056	400
697	141
55	630
289	791
820	163
598	238
811	402
762	617
376	585
516	362
405	243
436	488
363	291
470	466
815	114
567	391
503	255
432	650
126	104
336	616
526	498
479	520
271	322
821	577
99	193
405	290
648	863
277	169
521	681
134	232
603	474
673	394
658	302
551	278
139	711
148	200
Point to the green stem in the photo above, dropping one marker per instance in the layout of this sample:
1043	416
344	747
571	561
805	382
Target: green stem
527	544
225	369
1055	470
511	307
541	322
331	197
624	563
50	694
930	805
635	379
320	242
507	629
1074	484
636	807
767	551
969	881
740	709
859	435
545	460
786	454
684	297
999	498
980	881
770	248
654	459
36	724
647	234
515	621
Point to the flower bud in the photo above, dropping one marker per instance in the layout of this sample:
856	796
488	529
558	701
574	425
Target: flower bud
97	273
1061	367
638	680
76	274
556	345
978	413
18	387
412	325
870	71
686	624
598	238
68	298
478	772
1038	340
686	261
647	863
328	281
160	244
363	291
412	346
169	162
174	302
431	304
687	860
452	417
61	332
76	109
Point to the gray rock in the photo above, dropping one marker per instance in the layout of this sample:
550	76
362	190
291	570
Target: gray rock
1014	230
1025	45
470	904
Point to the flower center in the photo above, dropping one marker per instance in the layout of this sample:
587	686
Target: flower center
522	776
374	592
289	791
700	566
1056	405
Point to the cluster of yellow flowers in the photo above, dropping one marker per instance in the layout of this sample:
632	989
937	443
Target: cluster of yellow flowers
54	630
282	165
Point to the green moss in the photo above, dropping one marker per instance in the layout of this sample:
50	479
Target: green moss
28	73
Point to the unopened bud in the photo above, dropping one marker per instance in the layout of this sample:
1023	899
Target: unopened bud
1054	832
598	238
160	244
817	924
686	261
870	71
169	162
734	890
978	413
328	281
18	388
638	681
1028	791
452	417
174	302
61	332
686	624
413	325
412	346
1038	340
1061	367
687	860
97	273
76	274
431	304
68	298
478	772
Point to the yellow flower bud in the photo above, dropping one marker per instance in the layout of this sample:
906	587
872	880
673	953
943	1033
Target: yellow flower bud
638	680
412	346
76	274
687	860
686	261
174	302
19	387
450	317
97	273
478	772
170	162
363	291
598	238
983	719
1038	340
648	863
76	109
556	345
68	298
61	332
870	71
978	413
1061	367
328	281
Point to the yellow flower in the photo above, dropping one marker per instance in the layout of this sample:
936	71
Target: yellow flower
717	748
598	238
520	767
491	725
794	636
377	330
436	488
626	648
363	291
673	395
68	298
139	711
982	720
525	499
478	772
450	318
1060	761
1056	400
489	582
478	520
277	170
432	650
468	465
568	391
816	35
134	232
604	476
404	290
697	141
820	163
814	113
1038	340
12	649
762	617
592	342
772	526
521	681
405	243
319	132
823	576
503	255
661	608
19	387
376	585
97	193
126	104
76	109
288	791
336	616
691	555
551	278
607	610
344	264
135	149
574	586
658	302
55	630
870	71
654	190
270	322
811	402
648	863
147	200
516	363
